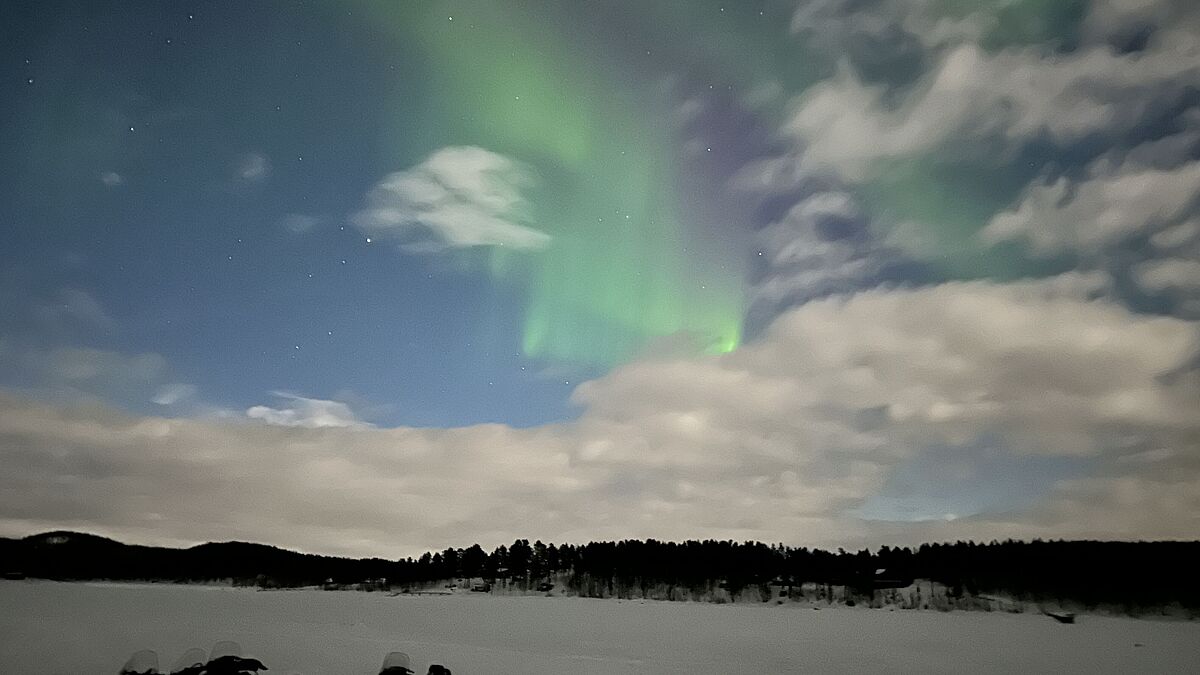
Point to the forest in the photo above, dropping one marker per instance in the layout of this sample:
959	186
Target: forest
1129	576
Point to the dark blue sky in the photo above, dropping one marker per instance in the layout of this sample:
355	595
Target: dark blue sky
196	262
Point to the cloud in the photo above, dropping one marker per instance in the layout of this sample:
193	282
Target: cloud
171	394
71	374
1168	274
972	95
299	223
867	33
890	29
822	245
75	364
934	112
782	439
955	361
458	197
913	79
253	167
75	308
311	413
111	179
1109	19
1177	236
1106	207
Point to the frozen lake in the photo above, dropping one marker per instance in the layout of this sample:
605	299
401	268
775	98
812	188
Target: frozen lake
48	627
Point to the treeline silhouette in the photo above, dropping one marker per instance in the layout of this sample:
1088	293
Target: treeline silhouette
1132	575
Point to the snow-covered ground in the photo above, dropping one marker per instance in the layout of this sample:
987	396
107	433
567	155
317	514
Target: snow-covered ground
48	627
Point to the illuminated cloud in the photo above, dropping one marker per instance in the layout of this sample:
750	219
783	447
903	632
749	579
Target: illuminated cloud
253	167
172	394
1105	208
782	439
1169	273
458	197
311	413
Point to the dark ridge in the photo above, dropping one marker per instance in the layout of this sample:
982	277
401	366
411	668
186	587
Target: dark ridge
1133	576
59	537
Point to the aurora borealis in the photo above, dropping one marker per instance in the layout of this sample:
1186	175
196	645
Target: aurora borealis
815	271
618	270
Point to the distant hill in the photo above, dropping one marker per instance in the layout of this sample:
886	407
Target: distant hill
1135	576
80	556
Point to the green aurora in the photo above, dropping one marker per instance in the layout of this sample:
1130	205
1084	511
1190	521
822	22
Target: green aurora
620	270
626	264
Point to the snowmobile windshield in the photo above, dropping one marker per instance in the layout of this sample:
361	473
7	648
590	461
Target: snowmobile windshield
396	663
144	662
224	648
190	662
226	659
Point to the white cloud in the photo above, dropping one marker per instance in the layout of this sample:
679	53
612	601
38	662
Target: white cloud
1105	208
1156	505
253	167
84	374
74	309
73	364
299	223
311	413
1168	274
458	197
820	246
1114	18
841	26
111	179
171	394
1177	236
1014	95
780	440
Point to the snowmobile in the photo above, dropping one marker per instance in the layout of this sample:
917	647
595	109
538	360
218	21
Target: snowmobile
1061	617
398	663
225	659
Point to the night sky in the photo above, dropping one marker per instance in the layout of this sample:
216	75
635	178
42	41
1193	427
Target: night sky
373	277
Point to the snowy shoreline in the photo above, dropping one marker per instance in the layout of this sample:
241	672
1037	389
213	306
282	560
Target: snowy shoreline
923	596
